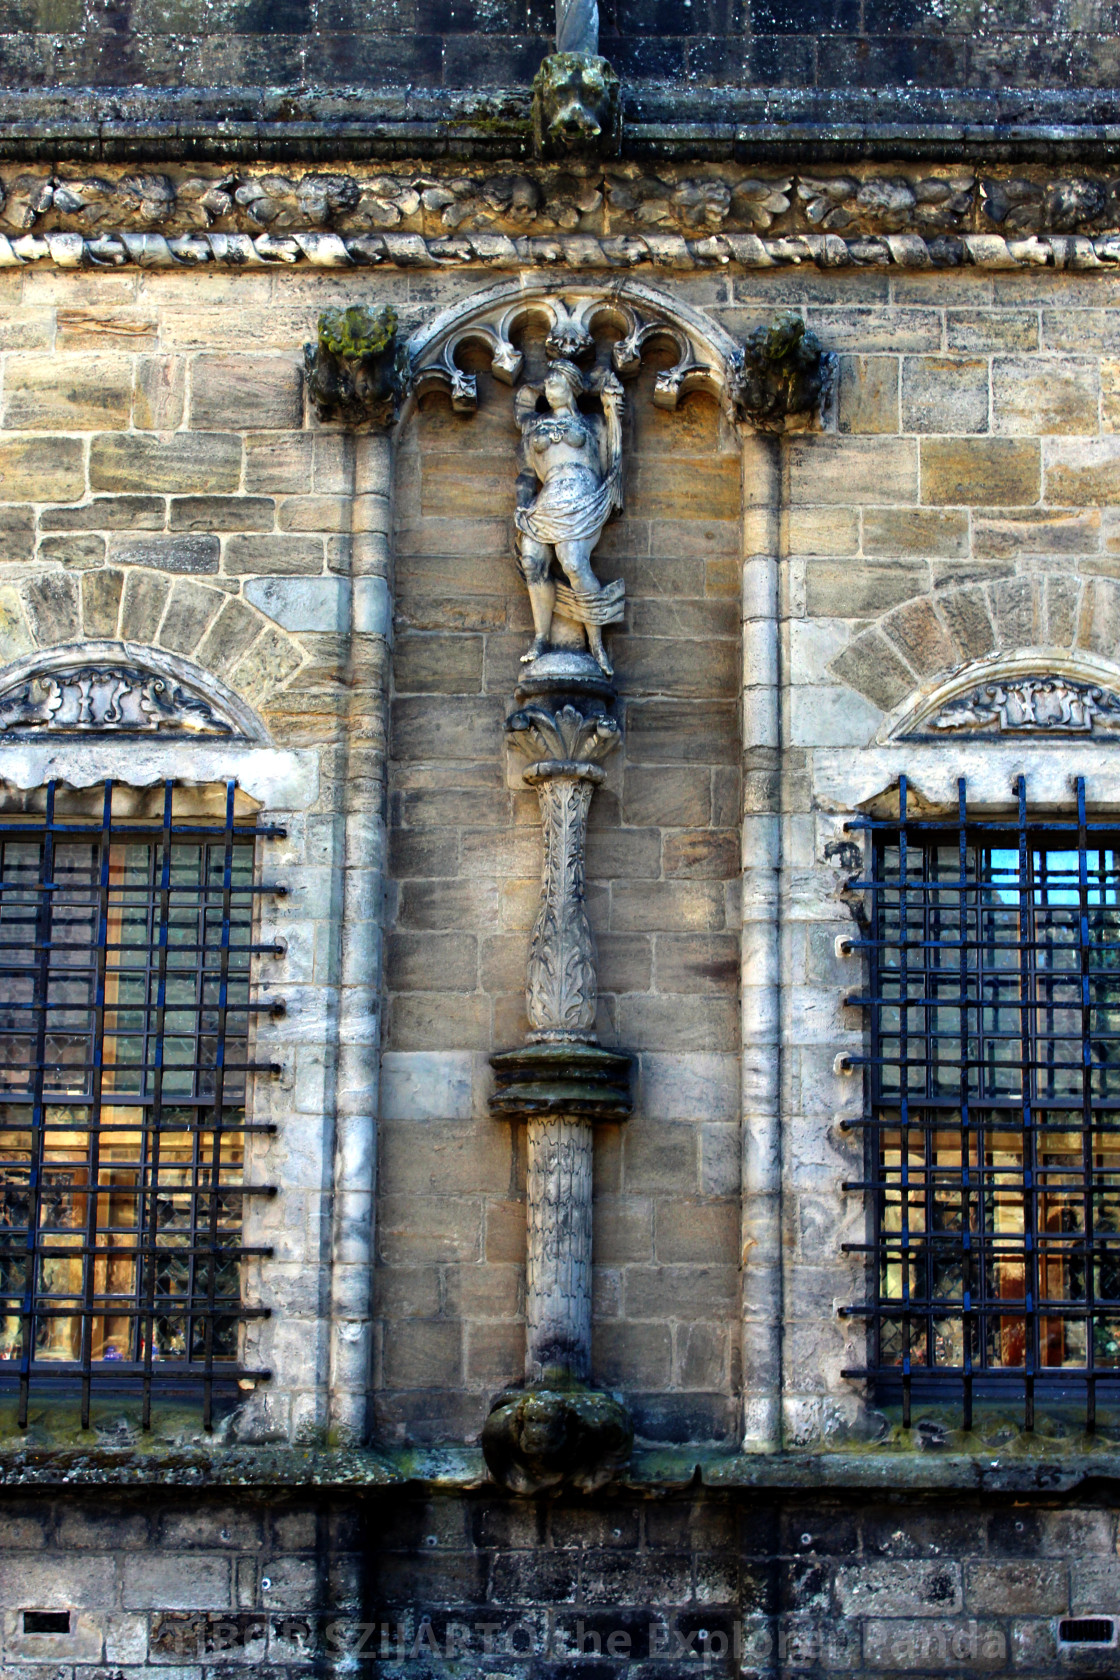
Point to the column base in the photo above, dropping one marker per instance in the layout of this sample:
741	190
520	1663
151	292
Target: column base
556	1435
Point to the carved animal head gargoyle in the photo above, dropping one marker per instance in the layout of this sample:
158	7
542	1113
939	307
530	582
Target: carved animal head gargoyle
577	107
785	375
358	370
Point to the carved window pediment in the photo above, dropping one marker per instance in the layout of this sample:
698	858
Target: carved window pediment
1019	702
114	688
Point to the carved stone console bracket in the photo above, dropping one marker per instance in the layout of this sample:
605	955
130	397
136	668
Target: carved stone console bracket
779	380
786	378
357	370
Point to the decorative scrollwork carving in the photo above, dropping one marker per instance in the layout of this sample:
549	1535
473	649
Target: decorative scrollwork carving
110	689
1029	705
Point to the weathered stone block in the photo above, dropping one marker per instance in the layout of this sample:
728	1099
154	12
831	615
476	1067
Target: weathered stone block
278	463
190	608
76	553
698	853
872	667
108	513
922	637
242	393
1030	396
1042	531
437	664
822	531
938	1646
101	599
834	589
221	513
991	329
981	471
274	555
17	534
73	393
1083	472
188	463
1021	1588
159	393
179	553
42	469
676	796
667	905
846	470
51	605
915	532
966	613
867	395
944	394
234	630
145	596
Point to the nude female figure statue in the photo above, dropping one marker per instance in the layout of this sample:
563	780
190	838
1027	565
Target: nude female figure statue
577	460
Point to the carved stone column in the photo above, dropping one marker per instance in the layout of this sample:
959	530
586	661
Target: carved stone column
556	1430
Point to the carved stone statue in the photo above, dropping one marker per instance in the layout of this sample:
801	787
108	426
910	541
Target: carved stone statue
569	485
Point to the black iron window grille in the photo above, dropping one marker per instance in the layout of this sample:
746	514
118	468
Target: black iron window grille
992	1109
125	1008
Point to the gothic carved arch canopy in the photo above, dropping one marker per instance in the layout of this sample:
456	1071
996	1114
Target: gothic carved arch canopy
119	689
707	357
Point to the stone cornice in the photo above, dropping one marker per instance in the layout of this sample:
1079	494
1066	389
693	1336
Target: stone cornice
496	251
661	120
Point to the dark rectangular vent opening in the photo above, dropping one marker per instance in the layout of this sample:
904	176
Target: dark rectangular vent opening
46	1621
1086	1630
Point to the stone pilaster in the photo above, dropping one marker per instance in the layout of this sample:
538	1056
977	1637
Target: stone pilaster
358	375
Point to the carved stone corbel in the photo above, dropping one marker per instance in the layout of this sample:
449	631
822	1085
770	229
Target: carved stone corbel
785	377
358	369
577	107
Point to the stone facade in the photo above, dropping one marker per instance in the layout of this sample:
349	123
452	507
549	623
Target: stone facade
839	293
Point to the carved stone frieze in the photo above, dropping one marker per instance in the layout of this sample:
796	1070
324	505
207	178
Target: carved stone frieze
357	371
939	203
666	251
117	688
101	700
1029	705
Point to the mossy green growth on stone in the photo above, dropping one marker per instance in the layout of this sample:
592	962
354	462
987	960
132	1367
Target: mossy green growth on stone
358	371
357	331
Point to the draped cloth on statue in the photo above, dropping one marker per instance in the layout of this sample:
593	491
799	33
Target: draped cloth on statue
573	506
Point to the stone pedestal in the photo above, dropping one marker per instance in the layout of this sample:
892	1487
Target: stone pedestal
556	1430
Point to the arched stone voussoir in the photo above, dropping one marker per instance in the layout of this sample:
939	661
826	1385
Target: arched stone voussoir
912	651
